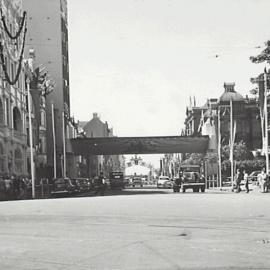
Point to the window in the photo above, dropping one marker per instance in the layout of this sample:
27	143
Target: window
2	118
7	111
2	158
17	120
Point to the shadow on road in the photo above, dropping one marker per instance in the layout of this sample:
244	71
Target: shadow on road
128	191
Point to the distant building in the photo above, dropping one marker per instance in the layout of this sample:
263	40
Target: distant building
245	113
105	163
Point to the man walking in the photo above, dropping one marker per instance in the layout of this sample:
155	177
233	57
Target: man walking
238	179
263	181
246	181
100	185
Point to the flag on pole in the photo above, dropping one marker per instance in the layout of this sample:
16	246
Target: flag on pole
201	122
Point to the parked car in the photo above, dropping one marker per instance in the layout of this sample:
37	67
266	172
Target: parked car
63	186
164	182
82	184
137	181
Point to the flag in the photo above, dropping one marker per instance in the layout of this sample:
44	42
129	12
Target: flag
201	122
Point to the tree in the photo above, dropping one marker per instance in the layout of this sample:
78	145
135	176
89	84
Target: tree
264	56
240	151
193	159
243	158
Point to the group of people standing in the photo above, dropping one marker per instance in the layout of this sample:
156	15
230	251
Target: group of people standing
12	187
242	176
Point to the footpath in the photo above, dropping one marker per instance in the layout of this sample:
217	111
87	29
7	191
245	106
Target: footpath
253	188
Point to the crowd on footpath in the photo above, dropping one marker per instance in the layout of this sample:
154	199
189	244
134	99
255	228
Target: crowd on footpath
20	188
263	181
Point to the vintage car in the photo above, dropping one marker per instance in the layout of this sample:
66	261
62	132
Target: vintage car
164	182
63	186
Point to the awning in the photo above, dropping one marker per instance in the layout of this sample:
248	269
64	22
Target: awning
139	145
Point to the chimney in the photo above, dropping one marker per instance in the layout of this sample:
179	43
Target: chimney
95	115
229	87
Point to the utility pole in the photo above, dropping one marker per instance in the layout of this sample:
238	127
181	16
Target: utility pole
232	142
266	123
54	144
219	149
64	146
30	134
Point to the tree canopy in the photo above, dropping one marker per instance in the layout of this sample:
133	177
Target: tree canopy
264	56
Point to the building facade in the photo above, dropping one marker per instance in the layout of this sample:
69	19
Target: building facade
48	34
245	115
13	135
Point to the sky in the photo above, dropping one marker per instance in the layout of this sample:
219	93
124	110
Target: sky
137	62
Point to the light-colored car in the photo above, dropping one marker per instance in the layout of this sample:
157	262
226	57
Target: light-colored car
164	182
253	177
137	181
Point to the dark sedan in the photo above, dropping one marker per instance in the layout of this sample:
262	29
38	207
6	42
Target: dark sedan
63	186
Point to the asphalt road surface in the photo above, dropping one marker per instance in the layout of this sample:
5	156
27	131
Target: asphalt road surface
141	229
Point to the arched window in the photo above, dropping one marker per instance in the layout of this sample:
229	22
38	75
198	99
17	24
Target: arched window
18	158
2	119
2	158
17	120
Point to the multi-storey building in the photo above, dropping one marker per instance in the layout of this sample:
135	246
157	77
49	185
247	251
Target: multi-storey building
13	135
48	34
245	114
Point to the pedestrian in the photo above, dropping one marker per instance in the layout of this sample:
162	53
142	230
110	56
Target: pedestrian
8	187
2	189
238	179
100	185
246	181
16	186
263	180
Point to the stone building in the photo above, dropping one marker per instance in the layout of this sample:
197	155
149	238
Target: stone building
245	113
13	134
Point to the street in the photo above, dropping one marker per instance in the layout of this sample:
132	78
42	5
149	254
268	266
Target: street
144	229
